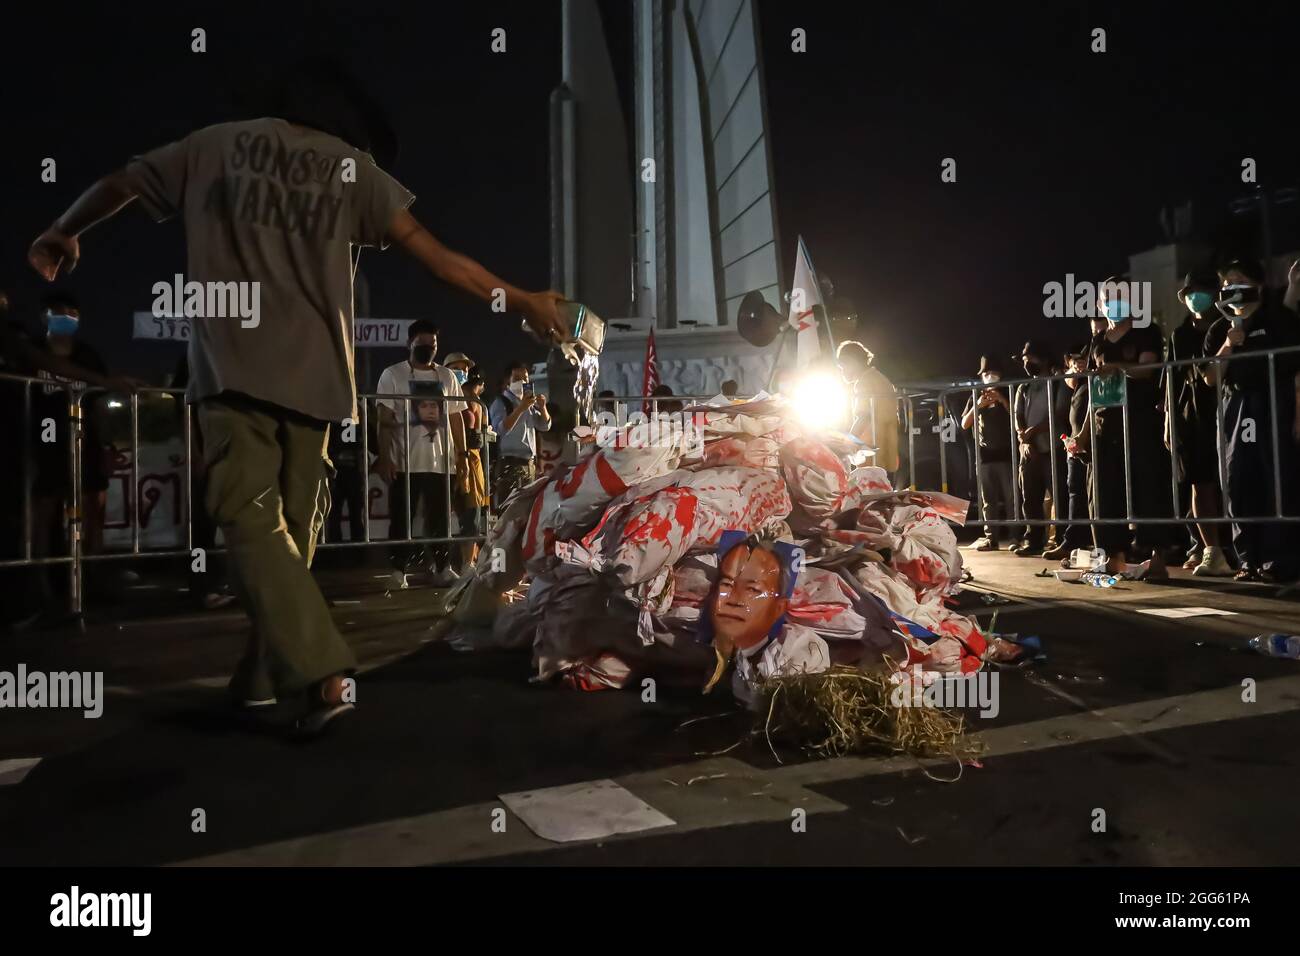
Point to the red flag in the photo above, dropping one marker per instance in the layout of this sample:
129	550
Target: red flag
651	380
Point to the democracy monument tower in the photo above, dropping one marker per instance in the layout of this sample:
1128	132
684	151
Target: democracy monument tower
663	215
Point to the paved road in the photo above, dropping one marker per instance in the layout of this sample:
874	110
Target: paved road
1137	716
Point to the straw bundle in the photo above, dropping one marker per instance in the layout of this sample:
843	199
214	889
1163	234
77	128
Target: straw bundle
845	710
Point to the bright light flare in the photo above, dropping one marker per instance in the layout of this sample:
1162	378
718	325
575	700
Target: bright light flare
820	400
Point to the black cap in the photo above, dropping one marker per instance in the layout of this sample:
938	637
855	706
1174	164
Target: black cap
1203	278
991	363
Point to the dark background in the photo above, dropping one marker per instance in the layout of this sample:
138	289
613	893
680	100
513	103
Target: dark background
1064	157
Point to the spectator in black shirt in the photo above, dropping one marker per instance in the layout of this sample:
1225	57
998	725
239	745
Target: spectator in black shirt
990	414
52	484
1097	326
347	485
665	407
1193	421
1253	322
46	471
1075	439
1034	422
1121	349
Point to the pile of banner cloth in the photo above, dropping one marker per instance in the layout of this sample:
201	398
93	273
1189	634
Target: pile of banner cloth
609	569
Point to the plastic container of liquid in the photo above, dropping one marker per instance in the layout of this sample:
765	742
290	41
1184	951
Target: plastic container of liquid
1099	579
1276	645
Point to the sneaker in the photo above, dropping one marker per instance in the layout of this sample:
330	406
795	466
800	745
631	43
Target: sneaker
1028	550
397	580
1213	565
445	578
982	544
1056	553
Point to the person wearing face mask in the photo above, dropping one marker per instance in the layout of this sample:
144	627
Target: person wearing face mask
435	455
1033	433
1193	422
460	364
1122	348
1253	321
990	415
62	318
517	415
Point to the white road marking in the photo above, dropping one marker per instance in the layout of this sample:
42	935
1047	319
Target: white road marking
736	794
729	792
584	811
1275	696
1176	612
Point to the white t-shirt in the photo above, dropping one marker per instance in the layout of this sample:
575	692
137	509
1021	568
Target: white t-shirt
430	427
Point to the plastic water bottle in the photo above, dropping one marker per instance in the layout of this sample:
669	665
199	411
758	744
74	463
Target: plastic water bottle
1099	579
1276	645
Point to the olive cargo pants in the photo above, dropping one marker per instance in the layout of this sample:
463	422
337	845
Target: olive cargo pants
268	491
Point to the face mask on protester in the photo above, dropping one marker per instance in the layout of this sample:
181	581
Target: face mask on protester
1117	311
421	354
60	323
461	375
517	388
1198	302
988	378
1237	296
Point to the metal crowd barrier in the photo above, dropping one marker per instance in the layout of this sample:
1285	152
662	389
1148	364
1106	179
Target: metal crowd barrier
909	395
76	397
76	394
650	403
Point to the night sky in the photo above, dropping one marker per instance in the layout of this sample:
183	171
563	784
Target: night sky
1064	157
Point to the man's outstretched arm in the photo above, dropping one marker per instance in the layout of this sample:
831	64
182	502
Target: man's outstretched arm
58	246
539	308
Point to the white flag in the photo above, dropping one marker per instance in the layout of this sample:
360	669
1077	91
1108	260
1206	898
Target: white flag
804	295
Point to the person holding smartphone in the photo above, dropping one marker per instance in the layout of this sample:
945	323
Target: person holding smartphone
990	415
517	414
